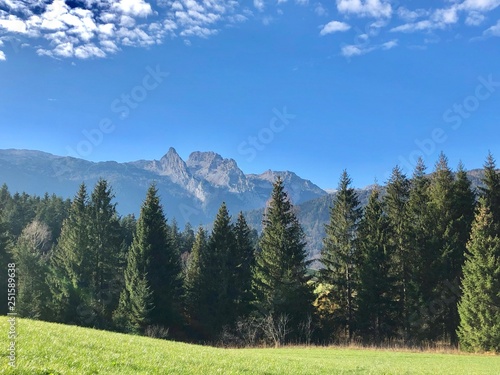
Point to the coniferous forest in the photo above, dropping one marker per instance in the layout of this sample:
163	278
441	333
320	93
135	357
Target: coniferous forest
419	264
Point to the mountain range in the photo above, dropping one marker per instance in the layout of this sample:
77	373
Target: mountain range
191	191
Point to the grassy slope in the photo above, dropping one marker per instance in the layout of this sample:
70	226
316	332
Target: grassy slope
45	348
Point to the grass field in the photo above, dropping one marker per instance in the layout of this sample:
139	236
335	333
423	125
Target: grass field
46	348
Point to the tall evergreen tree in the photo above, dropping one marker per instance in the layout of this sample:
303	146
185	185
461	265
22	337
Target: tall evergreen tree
376	305
463	207
422	260
217	275
242	259
193	283
279	281
105	236
441	207
396	208
340	255
479	307
153	284
71	265
491	189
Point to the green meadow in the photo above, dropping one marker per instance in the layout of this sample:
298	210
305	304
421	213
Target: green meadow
47	348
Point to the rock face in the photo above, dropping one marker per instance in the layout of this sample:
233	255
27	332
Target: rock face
191	190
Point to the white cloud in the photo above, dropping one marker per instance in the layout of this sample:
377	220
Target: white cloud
64	50
442	18
439	19
493	30
259	4
353	50
94	28
88	51
474	18
390	44
2	56
480	5
362	49
135	8
13	24
198	31
410	15
334	26
366	8
108	46
445	16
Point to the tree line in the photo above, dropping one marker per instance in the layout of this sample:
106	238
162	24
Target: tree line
419	263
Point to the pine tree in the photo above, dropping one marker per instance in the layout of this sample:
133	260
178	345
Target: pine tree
242	259
104	233
340	255
217	276
396	208
153	285
279	281
479	307
491	189
446	245
464	202
422	260
71	266
193	283
375	315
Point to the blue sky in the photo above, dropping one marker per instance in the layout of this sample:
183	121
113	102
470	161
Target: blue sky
308	86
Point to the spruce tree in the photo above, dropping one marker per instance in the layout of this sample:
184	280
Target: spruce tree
279	281
71	266
242	259
193	283
422	260
153	284
104	234
340	255
463	206
396	208
217	275
479	307
375	315
491	189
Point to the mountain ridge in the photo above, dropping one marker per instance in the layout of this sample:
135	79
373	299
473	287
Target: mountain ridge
191	190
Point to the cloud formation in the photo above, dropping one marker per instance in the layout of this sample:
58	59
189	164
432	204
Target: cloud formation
86	29
442	18
352	50
334	26
96	28
493	30
366	8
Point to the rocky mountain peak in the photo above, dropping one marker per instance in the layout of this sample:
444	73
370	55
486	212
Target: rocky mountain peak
171	164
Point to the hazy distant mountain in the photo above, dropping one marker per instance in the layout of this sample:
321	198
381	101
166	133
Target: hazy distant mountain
191	190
